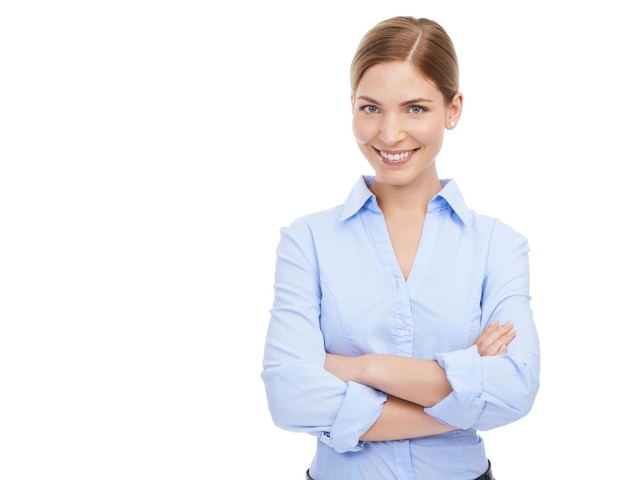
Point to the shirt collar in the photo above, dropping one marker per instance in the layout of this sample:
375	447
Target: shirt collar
449	195
359	196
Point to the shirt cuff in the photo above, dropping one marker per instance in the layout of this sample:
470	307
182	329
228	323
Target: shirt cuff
361	407
464	371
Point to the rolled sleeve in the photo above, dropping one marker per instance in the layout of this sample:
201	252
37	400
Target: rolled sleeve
488	392
360	409
464	371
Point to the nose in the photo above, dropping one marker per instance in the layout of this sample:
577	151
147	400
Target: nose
391	130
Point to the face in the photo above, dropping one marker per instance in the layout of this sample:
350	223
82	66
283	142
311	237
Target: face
399	119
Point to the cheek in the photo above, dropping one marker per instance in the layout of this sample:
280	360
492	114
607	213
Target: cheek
363	131
431	133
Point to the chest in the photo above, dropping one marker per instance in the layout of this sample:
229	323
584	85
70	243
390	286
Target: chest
368	307
404	236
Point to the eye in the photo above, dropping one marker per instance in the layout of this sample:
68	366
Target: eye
369	108
415	109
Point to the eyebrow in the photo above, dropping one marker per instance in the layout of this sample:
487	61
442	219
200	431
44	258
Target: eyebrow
403	104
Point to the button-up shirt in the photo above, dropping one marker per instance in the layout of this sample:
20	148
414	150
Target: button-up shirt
339	289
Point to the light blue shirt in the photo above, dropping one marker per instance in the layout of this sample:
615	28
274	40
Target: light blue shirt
339	289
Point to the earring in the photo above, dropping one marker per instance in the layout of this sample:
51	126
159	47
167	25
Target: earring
452	124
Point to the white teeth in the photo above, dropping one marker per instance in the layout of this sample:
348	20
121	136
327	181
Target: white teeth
395	157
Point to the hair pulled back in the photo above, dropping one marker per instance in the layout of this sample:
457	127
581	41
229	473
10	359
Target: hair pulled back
420	41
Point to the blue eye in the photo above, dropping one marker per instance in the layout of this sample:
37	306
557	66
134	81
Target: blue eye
369	108
416	109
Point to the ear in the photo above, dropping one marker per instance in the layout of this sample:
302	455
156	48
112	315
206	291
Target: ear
454	111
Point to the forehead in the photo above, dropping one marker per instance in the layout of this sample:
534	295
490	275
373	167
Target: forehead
396	80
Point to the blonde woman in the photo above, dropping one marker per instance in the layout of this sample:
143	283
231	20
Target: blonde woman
401	324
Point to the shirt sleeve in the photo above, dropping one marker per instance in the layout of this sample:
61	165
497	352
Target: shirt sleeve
492	391
303	396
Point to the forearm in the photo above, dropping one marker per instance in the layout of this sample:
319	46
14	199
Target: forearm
400	420
423	382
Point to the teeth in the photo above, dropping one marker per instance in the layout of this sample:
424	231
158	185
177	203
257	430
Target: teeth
394	157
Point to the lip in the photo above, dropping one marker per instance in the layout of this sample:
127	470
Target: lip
395	163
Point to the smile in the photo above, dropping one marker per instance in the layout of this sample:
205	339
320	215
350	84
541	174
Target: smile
396	156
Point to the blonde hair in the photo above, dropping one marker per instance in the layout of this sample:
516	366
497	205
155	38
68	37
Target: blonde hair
420	41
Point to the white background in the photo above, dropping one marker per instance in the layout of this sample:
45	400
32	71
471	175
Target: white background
151	150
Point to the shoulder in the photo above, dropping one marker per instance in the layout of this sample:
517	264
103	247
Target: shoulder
494	226
478	223
503	242
314	222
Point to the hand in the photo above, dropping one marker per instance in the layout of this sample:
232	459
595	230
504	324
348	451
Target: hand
495	338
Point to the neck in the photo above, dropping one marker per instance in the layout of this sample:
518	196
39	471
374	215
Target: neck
407	199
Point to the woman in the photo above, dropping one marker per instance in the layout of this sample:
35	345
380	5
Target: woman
401	322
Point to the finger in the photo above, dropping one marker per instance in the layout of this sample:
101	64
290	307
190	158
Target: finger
493	325
500	347
500	332
494	338
490	334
